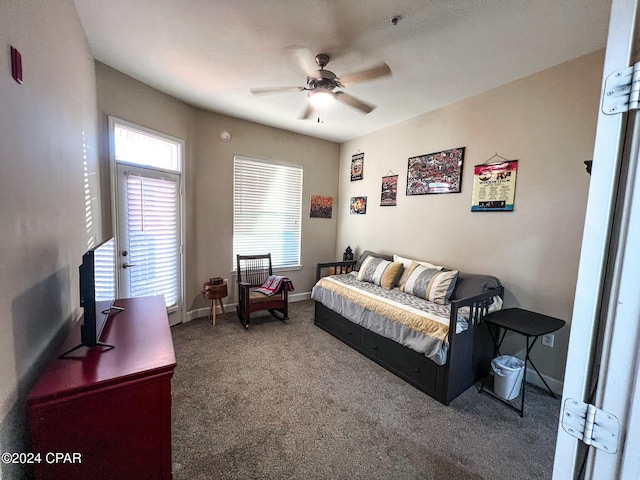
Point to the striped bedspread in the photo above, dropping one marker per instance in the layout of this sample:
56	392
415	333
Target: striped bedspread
411	321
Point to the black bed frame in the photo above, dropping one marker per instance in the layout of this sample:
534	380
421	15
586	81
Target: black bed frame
468	359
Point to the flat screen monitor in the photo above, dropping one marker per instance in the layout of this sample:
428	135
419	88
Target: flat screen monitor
97	293
98	287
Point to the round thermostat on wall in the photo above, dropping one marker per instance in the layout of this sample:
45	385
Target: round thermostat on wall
225	136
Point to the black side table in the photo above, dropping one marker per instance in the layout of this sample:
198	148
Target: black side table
529	324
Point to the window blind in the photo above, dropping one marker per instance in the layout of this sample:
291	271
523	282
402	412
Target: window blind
105	271
267	210
153	237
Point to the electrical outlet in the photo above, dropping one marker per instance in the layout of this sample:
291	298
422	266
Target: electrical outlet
548	339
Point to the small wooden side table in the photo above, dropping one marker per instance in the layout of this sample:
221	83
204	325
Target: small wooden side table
215	293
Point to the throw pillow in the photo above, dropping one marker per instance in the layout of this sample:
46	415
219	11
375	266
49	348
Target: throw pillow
406	262
368	253
430	284
380	272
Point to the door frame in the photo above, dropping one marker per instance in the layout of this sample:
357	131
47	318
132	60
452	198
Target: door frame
601	310
115	217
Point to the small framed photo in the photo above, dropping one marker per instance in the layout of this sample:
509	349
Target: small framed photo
358	205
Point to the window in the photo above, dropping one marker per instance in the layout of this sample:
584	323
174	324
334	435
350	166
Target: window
133	145
267	210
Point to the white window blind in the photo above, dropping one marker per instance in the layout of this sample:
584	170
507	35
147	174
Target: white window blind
267	210
153	237
105	271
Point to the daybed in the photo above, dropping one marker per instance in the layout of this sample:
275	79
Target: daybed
420	321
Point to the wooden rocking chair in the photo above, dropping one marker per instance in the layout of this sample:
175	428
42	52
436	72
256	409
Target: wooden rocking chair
253	271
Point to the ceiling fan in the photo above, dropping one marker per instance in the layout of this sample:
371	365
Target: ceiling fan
322	84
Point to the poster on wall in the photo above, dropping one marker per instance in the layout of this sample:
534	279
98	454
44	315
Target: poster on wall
357	166
389	191
358	205
494	187
439	172
321	206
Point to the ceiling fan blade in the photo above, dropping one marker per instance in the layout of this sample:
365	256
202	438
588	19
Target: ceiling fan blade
309	110
353	102
262	91
380	70
305	59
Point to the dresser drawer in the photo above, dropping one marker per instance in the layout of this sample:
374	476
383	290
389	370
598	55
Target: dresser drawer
409	365
343	329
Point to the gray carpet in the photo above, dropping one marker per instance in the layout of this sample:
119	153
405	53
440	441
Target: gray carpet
289	401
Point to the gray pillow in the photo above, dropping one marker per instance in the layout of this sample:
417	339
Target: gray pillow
433	285
367	253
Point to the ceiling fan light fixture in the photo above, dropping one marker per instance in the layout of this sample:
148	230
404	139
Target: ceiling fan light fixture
321	98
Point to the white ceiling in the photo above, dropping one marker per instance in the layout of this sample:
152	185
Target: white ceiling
209	53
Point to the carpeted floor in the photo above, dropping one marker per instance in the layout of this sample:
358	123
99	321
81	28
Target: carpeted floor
289	401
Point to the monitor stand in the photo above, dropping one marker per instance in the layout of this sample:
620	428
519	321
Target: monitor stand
106	346
98	344
111	309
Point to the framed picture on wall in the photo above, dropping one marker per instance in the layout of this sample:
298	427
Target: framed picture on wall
494	187
439	172
389	191
358	205
357	166
321	206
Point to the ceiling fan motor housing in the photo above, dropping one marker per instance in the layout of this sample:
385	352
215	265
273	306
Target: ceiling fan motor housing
322	84
324	79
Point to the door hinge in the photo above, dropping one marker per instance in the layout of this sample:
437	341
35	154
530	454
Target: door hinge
622	91
591	425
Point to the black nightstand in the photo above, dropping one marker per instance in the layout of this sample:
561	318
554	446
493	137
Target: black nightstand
529	324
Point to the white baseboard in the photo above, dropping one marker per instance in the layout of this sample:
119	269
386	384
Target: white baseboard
231	307
556	385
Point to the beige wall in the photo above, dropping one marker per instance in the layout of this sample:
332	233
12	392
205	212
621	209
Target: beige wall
48	162
547	122
214	193
209	176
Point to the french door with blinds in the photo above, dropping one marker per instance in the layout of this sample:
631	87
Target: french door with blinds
148	221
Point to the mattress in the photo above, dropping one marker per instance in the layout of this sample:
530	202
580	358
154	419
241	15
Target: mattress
411	321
